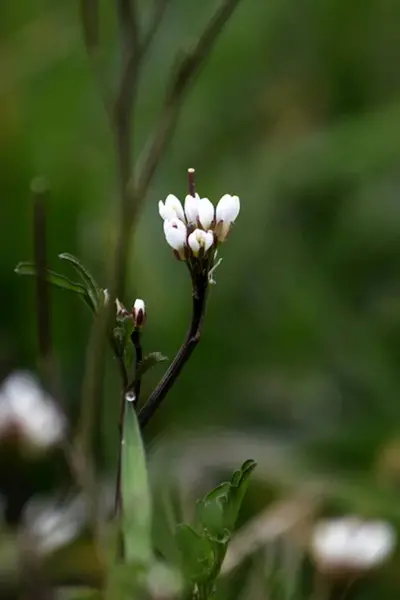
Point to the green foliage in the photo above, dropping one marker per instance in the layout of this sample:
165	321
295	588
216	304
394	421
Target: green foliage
60	281
136	497
92	289
203	549
197	552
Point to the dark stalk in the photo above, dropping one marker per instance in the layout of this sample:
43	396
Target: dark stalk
199	298
192	187
137	343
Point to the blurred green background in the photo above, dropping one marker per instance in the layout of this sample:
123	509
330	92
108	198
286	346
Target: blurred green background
298	112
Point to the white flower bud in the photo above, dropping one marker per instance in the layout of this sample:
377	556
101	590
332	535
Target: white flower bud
226	213
192	208
349	545
200	239
206	212
139	313
25	408
171	209
176	234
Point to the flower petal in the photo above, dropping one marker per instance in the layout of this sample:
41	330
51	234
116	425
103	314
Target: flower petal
172	203
200	239
194	243
192	208
165	211
208	240
175	233
228	208
206	212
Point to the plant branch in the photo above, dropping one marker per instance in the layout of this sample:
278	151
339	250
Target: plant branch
123	112
91	36
137	343
200	288
184	77
156	18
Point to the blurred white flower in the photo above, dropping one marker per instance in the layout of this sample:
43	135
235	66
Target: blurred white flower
227	211
206	212
27	409
171	209
55	524
200	239
351	544
192	208
176	234
139	312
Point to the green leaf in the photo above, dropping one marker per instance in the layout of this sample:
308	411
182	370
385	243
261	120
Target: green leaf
217	511
197	554
150	361
238	487
91	286
136	497
211	510
60	281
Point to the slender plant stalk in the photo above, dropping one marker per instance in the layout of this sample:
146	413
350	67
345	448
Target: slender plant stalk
199	298
136	338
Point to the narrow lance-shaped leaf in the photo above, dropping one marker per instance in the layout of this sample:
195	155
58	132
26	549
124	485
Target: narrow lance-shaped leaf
60	281
136	497
90	283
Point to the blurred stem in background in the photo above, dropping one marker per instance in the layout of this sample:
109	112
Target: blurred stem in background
134	179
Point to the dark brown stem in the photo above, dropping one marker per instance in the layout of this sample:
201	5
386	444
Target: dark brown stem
137	343
200	287
192	186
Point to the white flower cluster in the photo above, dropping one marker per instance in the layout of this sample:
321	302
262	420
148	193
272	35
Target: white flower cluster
198	226
350	544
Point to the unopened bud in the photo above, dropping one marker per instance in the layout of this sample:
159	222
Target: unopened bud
139	313
121	310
